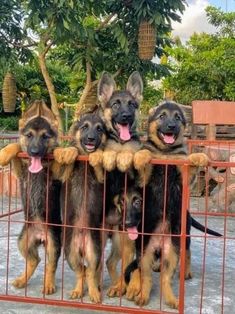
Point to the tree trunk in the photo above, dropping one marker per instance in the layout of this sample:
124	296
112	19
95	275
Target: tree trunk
85	105
51	90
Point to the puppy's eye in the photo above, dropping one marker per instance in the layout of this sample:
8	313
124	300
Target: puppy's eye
115	106
46	136
162	116
99	129
177	117
84	127
137	202
29	135
133	104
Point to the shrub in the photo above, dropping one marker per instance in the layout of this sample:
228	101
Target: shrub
9	123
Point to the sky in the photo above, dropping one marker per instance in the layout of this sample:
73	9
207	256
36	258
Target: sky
194	17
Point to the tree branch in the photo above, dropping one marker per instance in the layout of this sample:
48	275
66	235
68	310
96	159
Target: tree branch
16	45
105	22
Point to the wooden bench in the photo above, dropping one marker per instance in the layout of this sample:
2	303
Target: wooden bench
212	113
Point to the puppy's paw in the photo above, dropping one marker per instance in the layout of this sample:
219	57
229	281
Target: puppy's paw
117	290
8	153
96	158
49	288
65	155
95	295
124	161
76	294
198	159
109	160
142	158
173	303
142	298
133	288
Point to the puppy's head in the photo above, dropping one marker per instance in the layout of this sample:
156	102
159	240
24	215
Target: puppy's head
38	134
166	125
120	107
89	133
131	204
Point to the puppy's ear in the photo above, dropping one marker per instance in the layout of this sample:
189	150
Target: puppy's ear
135	86
106	87
152	111
38	109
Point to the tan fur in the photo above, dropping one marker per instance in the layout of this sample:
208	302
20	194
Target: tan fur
49	286
38	109
142	160
65	155
133	288
8	153
188	273
120	155
123	248
96	161
146	280
32	261
169	263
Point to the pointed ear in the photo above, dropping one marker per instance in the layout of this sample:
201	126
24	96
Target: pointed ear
38	109
135	86
106	87
152	111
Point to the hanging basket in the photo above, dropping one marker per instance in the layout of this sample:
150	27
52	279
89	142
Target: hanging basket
9	93
146	41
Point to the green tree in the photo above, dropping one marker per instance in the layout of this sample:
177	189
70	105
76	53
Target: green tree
93	35
204	68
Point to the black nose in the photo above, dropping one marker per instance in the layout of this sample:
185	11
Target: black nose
171	126
34	151
126	115
91	138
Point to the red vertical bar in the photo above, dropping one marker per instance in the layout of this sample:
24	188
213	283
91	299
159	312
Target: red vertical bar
185	200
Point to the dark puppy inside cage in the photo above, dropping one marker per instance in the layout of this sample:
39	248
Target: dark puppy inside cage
82	203
39	192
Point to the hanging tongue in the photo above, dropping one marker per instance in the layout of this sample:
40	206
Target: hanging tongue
124	132
132	233
168	138
36	165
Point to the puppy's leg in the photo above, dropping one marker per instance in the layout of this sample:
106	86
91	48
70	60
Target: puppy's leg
29	251
127	250
134	286
188	272
93	257
8	153
146	280
96	161
114	258
169	264
53	249
65	155
109	160
80	271
142	165
125	160
92	283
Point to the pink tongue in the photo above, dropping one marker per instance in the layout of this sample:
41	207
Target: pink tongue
132	233
124	132
36	165
169	139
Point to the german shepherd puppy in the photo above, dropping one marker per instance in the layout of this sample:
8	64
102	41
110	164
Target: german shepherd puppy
120	116
124	216
162	216
120	111
38	137
83	210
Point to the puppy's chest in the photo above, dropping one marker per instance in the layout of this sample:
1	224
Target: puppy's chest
160	239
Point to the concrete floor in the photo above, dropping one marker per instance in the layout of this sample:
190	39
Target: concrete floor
219	252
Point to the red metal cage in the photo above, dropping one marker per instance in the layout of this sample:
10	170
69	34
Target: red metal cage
211	288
